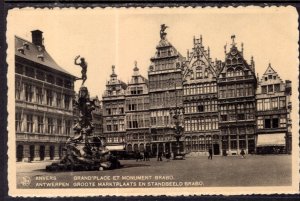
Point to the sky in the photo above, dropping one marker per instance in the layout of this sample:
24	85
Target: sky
106	37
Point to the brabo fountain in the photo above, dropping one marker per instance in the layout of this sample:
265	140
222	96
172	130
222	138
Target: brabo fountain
83	151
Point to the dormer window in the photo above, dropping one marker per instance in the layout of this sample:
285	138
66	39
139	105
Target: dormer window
21	50
26	45
41	57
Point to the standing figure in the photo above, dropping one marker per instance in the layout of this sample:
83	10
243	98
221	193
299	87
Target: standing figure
243	153
159	156
83	65
210	153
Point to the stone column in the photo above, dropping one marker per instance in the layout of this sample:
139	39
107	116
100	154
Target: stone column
56	152
26	154
47	152
36	152
238	144
247	149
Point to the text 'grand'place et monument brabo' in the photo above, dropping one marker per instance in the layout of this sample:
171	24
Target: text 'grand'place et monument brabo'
187	105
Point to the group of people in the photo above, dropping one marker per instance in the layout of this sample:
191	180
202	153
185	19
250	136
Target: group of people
145	156
142	156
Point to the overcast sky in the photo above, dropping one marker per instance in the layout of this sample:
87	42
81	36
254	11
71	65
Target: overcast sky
120	37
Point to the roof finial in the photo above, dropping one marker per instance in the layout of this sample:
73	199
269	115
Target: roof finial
201	39
232	38
194	39
242	45
225	46
113	68
135	66
188	53
208	51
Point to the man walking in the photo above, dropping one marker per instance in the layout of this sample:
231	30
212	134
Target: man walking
210	153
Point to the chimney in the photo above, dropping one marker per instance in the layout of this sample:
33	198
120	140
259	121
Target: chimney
37	37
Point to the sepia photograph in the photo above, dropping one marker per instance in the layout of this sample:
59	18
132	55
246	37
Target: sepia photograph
153	101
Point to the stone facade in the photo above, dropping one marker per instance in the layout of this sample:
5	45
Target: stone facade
43	96
273	113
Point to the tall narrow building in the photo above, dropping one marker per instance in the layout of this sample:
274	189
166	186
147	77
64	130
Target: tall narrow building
137	113
200	100
165	93
113	101
273	114
236	97
43	95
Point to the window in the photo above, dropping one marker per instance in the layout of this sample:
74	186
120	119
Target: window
59	126
67	102
58	99
40	75
39	95
268	123
264	89
270	88
50	78
241	116
40	124
68	127
275	123
269	77
18	122
29	71
50	125
19	68
108	127
277	87
259	105
200	108
59	82
49	97
266	104
260	123
223	117
18	90
29	119
282	121
274	103
28	92
282	103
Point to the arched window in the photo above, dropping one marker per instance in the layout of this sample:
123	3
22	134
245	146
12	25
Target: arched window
230	72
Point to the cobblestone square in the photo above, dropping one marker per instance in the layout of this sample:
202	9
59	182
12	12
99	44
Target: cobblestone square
255	170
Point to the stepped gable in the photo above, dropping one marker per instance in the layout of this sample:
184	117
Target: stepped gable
137	78
234	60
36	53
270	75
165	51
199	64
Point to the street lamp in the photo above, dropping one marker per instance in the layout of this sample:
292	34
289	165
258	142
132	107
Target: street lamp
175	113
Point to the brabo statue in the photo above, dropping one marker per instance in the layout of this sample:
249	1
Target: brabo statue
84	151
83	65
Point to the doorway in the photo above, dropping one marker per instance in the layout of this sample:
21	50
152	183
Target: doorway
216	148
42	152
19	153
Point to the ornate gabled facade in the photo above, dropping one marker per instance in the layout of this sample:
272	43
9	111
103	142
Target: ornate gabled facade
97	117
236	97
137	113
200	100
43	96
113	101
165	93
273	109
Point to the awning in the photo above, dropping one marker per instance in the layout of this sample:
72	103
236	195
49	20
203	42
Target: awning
115	147
275	139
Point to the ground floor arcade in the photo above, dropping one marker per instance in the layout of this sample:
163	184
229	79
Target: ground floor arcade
38	151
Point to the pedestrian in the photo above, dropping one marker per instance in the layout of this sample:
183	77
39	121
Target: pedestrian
243	153
137	156
210	153
159	156
168	156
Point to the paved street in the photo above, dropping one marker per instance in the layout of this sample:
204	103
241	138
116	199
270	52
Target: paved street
255	170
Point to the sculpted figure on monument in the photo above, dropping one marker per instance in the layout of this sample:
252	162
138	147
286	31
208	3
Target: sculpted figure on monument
83	65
